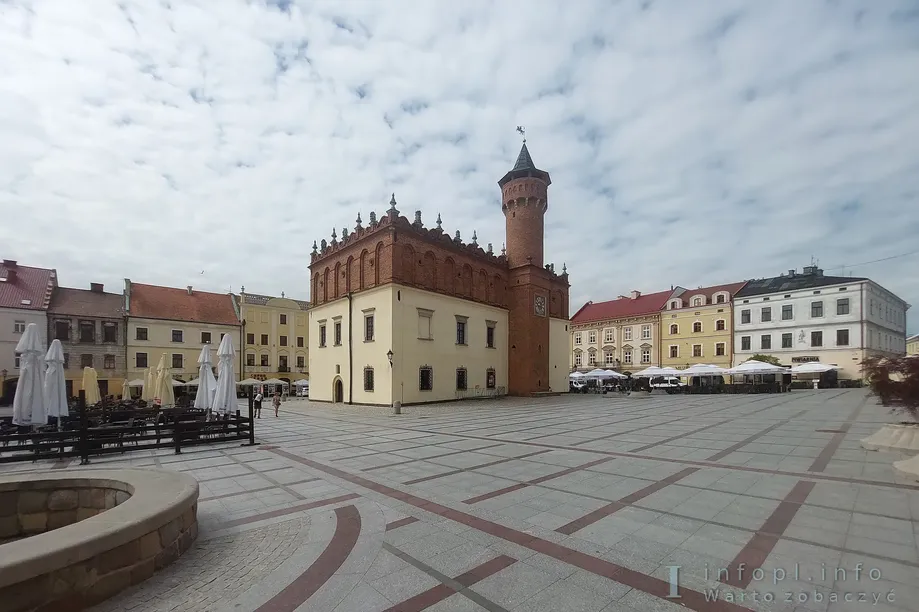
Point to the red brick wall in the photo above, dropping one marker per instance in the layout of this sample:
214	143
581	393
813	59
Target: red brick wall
524	204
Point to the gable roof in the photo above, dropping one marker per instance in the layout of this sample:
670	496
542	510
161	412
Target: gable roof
86	303
800	280
169	303
25	287
261	300
709	293
624	307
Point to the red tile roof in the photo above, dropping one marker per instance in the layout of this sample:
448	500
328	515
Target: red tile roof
25	287
154	302
709	292
622	307
86	303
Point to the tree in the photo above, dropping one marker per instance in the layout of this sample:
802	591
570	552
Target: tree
766	359
895	382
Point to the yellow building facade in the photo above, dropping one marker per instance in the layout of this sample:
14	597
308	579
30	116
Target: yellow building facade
400	344
912	345
697	327
276	331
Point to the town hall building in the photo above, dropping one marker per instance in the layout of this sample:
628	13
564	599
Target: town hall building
405	313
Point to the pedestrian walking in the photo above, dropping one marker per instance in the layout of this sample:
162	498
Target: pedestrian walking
276	400
258	404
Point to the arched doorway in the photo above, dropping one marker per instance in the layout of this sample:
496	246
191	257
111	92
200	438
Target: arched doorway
338	391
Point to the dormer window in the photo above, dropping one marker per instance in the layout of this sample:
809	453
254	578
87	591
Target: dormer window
698	301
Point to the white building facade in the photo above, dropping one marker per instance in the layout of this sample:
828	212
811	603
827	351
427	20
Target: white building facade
805	316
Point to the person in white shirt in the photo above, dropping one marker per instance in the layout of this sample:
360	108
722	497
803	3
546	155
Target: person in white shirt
258	404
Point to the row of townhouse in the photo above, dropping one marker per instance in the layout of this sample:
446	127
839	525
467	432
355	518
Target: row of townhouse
122	334
797	317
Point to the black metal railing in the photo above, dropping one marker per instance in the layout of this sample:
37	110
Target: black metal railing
91	432
480	393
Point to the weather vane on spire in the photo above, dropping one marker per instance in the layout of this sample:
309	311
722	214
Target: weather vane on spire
522	131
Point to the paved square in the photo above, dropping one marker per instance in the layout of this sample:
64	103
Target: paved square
575	503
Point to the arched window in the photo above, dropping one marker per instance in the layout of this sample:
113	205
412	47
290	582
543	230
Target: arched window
697	301
697	327
674	329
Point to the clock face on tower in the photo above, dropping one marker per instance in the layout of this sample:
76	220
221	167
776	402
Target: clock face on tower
539	305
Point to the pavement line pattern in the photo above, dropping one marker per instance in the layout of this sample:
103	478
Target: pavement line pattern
347	528
449	586
823	459
289	510
459	452
475	467
599	513
753	555
401	523
724	453
534	481
656	587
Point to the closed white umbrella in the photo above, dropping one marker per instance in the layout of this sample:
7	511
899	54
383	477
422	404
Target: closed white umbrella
207	384
225	399
91	386
54	389
29	403
163	391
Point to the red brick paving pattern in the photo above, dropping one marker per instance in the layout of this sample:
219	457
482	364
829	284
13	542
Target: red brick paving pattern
401	523
435	595
541	479
475	467
286	511
624	575
823	459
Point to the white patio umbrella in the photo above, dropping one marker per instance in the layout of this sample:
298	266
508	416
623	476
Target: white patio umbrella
91	386
702	369
29	403
207	384
225	399
613	374
812	367
146	386
596	373
577	375
163	392
54	389
753	367
248	382
137	382
649	372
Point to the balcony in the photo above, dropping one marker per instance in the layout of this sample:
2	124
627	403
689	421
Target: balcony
283	368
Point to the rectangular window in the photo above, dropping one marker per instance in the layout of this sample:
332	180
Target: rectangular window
299	341
461	379
141	360
610	335
178	335
108	362
282	340
765	342
490	379
460	331
66	361
86	361
577	360
424	324
490	334
787	313
842	337
425	378
765	314
744	316
177	361
87	332
591	337
263	360
745	343
337	333
592	358
205	337
577	338
719	325
719	349
110	333
368	379
263	340
645	332
817	338
674	351
626	356
646	355
626	333
62	330
696	350
816	309
18	328
16	361
282	363
250	360
283	319
719	299
368	328
321	336
301	361
609	358
842	306
250	338
786	340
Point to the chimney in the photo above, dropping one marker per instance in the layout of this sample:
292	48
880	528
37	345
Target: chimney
635	294
791	272
189	290
9	263
96	287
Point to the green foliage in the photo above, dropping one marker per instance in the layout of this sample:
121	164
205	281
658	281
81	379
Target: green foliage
766	359
895	381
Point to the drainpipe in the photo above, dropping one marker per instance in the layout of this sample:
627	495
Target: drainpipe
350	348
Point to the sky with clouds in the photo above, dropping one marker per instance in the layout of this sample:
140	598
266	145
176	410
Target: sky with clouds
689	143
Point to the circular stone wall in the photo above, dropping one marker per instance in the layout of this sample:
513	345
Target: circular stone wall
69	542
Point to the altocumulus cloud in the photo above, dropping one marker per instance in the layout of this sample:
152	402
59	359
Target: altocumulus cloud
689	143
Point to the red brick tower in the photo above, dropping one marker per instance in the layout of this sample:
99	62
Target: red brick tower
524	203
